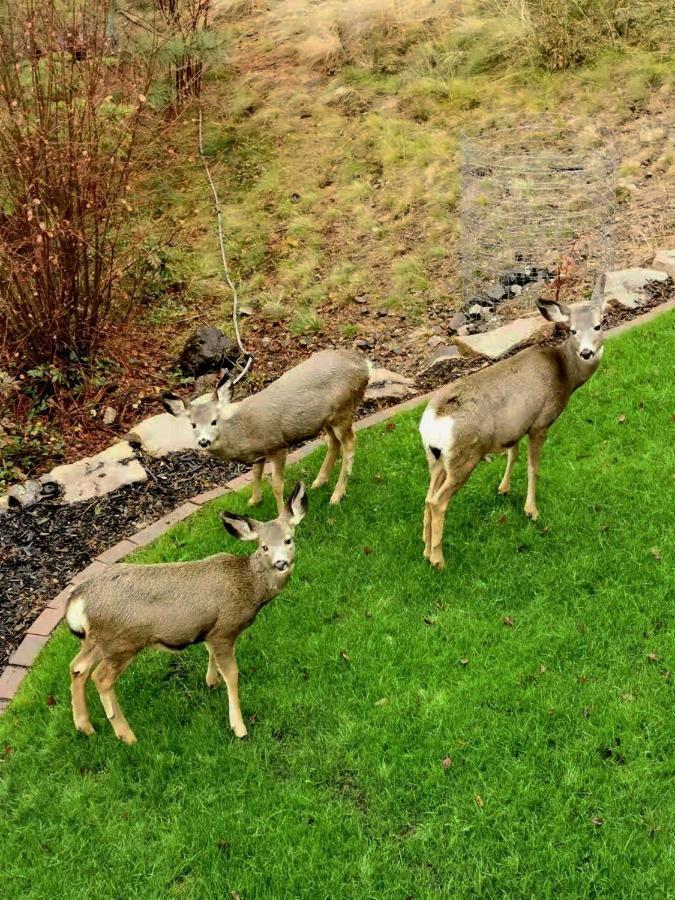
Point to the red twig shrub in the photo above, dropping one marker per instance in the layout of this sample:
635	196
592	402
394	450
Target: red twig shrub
72	104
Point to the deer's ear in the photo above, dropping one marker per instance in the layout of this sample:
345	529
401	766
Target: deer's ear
174	405
296	505
598	296
223	391
554	311
240	526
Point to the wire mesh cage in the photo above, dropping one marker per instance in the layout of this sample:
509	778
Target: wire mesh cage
536	214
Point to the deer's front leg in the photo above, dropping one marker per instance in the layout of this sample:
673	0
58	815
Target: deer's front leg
257	470
227	666
505	485
535	442
278	469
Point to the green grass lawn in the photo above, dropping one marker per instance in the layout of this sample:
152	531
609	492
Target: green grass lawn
537	666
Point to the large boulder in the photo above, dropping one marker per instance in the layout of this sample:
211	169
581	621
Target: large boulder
207	350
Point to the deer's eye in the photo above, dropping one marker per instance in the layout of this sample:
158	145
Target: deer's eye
265	547
596	328
194	425
287	541
573	331
215	422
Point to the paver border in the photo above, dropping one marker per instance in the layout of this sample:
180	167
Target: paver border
43	627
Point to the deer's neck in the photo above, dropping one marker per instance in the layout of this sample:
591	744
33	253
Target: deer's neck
268	582
577	370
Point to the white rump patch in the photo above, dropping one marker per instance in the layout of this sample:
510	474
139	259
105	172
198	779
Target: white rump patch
76	617
437	431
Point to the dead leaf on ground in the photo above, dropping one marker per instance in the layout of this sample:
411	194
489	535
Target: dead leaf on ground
429	621
50	700
655	552
508	621
503	519
464	661
344	655
447	762
597	821
628	697
379	477
480	803
367	550
653	656
382	701
390	426
551	712
622	418
542	669
583	679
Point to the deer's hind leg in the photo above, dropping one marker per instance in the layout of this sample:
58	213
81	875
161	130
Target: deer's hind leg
257	470
332	453
81	668
212	676
104	678
456	474
278	469
344	432
505	484
436	477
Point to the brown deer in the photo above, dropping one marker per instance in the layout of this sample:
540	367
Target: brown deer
320	393
492	409
170	606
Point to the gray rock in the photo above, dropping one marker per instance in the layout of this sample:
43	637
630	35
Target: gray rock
441	358
97	475
626	287
664	261
207	350
500	340
435	341
162	434
496	292
387	385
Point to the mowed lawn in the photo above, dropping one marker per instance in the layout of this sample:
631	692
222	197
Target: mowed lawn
505	728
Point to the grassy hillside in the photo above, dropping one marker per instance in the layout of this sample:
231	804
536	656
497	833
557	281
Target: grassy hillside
334	140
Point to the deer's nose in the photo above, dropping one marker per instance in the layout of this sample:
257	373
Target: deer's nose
204	442
281	565
586	354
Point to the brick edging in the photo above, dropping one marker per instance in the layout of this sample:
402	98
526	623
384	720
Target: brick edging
40	631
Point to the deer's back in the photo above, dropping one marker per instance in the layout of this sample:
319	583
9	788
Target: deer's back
499	404
298	405
172	604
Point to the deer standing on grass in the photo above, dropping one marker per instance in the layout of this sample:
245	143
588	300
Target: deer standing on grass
320	393
169	606
491	410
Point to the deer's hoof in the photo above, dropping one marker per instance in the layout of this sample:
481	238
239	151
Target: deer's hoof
438	563
335	499
255	501
318	483
86	728
212	681
503	488
240	731
128	737
532	513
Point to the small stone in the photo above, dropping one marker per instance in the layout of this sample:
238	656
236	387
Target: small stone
109	415
475	311
435	341
24	495
457	321
361	299
464	330
246	310
97	475
362	344
496	292
516	290
442	358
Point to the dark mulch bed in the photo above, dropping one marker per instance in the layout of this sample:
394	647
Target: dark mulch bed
43	547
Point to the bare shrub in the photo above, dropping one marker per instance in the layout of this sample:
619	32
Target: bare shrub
71	107
187	39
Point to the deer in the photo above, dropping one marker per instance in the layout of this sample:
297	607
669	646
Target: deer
491	410
170	606
322	393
